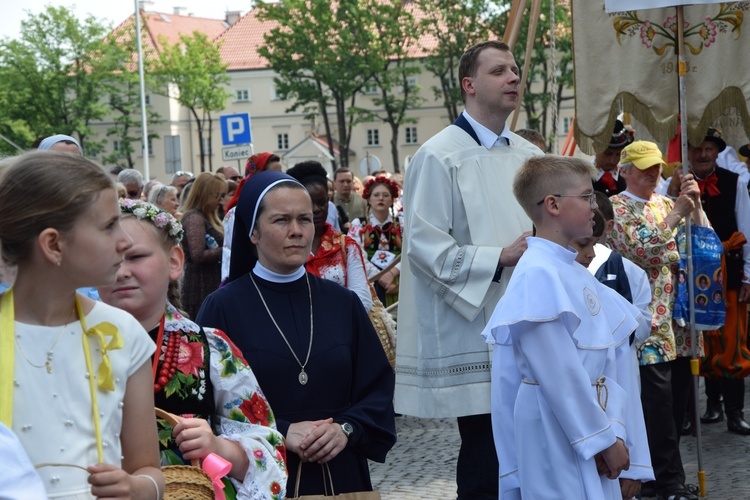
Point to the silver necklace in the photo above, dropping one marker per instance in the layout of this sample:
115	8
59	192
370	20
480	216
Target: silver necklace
302	374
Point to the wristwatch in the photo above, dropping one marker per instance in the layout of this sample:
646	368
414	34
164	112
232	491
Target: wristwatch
347	429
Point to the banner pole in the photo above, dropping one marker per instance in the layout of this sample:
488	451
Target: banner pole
694	362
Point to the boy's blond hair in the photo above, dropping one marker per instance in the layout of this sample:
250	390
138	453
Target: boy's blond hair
540	176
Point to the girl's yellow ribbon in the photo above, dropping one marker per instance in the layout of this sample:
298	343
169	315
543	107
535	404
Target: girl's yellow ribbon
7	354
104	331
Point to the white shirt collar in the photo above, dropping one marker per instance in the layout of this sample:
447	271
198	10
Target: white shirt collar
487	137
375	222
600	172
274	277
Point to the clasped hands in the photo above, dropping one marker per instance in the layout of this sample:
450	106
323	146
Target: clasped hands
612	461
316	441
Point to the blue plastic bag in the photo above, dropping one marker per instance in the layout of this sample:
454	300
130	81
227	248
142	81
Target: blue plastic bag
710	308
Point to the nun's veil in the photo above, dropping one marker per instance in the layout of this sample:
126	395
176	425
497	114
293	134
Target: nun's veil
244	254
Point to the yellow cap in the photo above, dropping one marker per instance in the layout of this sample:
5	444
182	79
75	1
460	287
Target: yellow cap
642	154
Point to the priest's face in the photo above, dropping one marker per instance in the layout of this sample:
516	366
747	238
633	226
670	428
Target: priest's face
495	85
284	231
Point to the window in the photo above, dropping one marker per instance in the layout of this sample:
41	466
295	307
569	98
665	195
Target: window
411	135
566	125
117	148
172	154
139	144
411	82
276	95
207	147
282	141
373	137
371	88
242	95
147	98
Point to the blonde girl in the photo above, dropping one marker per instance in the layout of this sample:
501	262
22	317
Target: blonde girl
203	239
199	373
75	382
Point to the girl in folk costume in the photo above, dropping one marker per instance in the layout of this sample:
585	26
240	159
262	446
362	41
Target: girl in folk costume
198	374
380	235
74	374
310	341
327	259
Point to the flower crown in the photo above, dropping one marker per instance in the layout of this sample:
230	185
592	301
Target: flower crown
160	218
392	186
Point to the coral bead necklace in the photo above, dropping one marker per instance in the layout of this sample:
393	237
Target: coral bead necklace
171	354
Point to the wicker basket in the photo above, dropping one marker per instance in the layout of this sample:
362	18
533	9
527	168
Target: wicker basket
185	482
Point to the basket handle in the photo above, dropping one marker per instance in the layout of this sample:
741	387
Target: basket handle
173	420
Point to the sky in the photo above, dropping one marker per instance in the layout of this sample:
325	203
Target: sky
111	11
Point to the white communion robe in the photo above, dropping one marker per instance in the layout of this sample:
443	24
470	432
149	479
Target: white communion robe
562	327
459	214
628	374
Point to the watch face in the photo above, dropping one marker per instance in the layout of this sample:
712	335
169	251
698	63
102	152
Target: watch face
347	428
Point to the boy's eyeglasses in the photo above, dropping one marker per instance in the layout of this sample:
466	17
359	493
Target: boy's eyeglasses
591	196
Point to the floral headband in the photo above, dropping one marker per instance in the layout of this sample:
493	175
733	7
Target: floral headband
160	218
392	186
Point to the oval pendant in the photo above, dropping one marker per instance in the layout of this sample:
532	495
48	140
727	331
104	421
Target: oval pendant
302	377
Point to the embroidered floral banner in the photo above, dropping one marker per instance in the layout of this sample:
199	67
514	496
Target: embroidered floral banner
619	5
627	61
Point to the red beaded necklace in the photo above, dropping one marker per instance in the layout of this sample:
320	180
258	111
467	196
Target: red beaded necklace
169	365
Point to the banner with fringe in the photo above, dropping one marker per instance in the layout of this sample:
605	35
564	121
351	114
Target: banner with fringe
627	61
617	5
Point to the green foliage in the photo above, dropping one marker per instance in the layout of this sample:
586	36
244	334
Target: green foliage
54	77
393	30
194	68
326	53
456	25
320	50
124	102
539	90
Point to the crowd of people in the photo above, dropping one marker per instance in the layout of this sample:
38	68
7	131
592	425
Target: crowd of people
535	299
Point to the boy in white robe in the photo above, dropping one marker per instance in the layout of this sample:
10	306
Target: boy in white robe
569	414
631	282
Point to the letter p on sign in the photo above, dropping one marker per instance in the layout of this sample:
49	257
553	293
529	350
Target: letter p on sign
235	129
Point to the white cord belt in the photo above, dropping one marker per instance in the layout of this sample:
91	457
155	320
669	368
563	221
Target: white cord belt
602	393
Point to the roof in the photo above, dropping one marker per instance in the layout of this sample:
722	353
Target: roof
170	26
241	41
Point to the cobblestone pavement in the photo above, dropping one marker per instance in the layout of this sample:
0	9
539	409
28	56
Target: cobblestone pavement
422	465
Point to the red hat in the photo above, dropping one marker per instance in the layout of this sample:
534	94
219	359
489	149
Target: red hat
256	163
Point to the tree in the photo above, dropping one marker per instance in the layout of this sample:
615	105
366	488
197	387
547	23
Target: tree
319	49
55	77
193	73
454	26
393	32
539	90
125	101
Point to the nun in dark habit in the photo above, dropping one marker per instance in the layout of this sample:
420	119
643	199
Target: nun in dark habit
309	341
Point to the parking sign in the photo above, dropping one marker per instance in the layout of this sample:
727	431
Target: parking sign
235	129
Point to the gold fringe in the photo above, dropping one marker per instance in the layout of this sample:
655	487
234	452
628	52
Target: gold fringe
662	131
730	97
